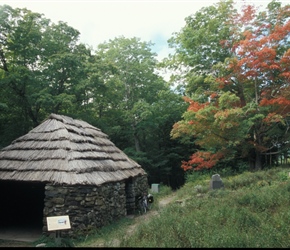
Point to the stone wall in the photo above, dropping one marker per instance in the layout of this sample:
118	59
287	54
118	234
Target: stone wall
91	207
134	188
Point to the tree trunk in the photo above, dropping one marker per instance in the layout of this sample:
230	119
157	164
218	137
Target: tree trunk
137	143
258	161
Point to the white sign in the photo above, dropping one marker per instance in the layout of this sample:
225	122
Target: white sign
58	222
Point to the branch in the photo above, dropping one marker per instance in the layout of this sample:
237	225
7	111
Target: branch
3	60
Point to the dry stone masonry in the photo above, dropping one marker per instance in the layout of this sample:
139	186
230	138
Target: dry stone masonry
91	207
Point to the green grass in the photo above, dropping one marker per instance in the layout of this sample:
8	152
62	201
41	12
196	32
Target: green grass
251	211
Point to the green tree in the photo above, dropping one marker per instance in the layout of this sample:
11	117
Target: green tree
63	73
140	108
134	85
41	64
19	63
198	48
44	69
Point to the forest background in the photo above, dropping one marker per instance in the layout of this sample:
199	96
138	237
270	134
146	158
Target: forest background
225	107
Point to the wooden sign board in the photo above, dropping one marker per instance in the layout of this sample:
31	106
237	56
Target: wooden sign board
58	223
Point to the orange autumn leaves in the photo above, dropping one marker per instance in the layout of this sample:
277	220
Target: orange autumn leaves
260	67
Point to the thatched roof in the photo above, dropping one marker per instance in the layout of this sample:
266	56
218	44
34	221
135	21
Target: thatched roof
63	150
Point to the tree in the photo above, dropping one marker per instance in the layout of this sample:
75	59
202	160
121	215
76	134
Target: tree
44	69
134	85
160	155
198	47
140	108
41	64
18	64
247	116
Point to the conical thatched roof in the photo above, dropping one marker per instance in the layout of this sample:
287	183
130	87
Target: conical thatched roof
63	150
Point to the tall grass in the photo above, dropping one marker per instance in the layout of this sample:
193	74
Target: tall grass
252	210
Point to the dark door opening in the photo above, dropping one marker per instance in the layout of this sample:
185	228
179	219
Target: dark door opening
22	204
130	199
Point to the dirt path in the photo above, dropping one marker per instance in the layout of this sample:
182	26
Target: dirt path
10	243
100	243
137	220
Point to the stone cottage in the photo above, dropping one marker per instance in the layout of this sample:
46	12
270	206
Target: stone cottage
68	167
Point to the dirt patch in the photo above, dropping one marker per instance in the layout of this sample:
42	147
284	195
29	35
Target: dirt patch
100	243
8	243
166	200
137	220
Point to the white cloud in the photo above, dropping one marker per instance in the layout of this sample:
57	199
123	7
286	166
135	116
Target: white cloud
99	21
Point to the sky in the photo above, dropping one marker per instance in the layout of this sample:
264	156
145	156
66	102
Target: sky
99	21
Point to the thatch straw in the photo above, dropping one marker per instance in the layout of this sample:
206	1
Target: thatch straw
63	150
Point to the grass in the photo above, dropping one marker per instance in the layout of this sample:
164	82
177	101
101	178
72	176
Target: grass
251	211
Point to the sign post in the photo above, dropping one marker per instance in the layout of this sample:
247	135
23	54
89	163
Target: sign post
57	223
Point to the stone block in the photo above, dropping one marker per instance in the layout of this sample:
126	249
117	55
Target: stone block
155	188
216	182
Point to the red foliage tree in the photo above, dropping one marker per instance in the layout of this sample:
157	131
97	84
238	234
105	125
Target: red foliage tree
250	114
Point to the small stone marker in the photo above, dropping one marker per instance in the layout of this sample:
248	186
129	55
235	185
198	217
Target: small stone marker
155	188
216	182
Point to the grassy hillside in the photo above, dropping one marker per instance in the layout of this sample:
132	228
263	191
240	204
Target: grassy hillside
251	211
